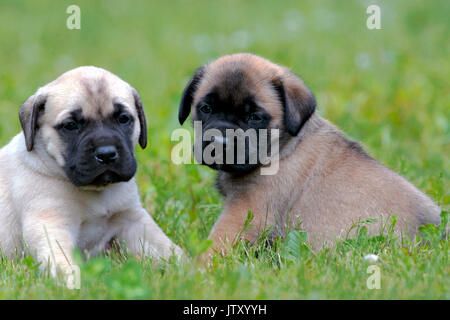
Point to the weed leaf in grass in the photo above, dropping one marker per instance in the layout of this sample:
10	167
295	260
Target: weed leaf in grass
295	247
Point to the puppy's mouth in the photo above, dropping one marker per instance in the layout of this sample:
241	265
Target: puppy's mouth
231	165
106	178
102	178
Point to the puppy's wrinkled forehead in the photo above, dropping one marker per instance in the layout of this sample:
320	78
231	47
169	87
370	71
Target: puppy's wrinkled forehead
238	77
93	90
232	85
96	95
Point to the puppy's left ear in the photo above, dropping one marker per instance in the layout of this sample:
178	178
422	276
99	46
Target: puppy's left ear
188	95
29	115
142	120
297	100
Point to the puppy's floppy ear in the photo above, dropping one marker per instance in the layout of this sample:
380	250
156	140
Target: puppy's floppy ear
142	120
29	115
297	100
188	95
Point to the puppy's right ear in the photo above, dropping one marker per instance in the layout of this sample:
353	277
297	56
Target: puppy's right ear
29	115
188	95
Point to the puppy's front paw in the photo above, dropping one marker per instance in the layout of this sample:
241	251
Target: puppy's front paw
205	258
72	277
165	253
179	254
67	275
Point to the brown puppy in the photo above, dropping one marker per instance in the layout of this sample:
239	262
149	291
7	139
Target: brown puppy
324	180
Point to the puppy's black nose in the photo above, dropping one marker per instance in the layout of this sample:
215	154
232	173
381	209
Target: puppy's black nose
106	154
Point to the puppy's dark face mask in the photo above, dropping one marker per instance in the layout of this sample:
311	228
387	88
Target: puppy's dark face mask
98	152
237	134
246	92
90	129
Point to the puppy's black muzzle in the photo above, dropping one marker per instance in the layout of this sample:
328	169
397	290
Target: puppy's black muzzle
101	157
223	144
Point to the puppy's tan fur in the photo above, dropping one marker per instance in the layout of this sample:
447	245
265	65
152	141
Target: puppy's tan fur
324	180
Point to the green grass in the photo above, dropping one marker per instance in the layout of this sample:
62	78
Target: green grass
386	88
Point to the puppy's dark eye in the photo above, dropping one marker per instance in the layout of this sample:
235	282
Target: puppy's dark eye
205	108
70	125
254	117
124	118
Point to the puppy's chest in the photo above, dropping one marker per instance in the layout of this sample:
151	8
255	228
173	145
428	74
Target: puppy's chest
100	221
95	233
97	229
274	192
104	205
